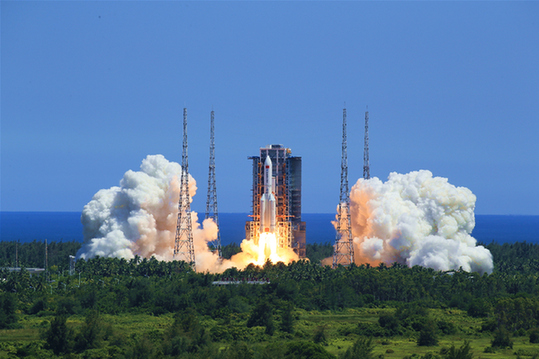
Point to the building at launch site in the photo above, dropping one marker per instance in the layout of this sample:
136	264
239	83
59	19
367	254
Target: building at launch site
276	204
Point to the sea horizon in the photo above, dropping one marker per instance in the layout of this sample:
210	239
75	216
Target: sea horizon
27	226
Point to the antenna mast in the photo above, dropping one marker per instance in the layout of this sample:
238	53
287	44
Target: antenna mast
211	201
46	261
71	265
183	244
366	169
343	250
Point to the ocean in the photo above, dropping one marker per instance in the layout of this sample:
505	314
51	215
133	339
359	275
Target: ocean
66	226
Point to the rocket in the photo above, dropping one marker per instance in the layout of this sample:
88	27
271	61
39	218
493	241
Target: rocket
267	200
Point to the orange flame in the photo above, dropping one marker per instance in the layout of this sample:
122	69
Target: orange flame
267	249
257	254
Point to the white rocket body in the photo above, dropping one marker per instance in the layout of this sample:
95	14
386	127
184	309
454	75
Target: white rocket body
267	200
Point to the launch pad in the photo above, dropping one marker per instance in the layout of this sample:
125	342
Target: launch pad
276	205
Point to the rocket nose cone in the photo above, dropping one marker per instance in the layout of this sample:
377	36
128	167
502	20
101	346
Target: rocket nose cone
268	160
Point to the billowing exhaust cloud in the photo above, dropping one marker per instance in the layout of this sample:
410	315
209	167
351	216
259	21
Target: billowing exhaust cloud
140	216
413	219
416	219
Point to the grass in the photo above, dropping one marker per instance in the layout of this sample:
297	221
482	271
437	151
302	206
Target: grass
339	329
468	328
127	325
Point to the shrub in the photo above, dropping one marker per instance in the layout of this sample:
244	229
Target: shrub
430	355
272	351
287	319
346	329
260	315
447	328
90	333
320	334
38	306
270	326
32	349
489	326
300	350
464	352
185	334
534	336
8	306
238	350
58	336
479	308
238	304
390	323
411	310
412	315
142	348
362	348
502	339
427	336
68	306
220	333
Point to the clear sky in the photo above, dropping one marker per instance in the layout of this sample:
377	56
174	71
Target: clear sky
89	89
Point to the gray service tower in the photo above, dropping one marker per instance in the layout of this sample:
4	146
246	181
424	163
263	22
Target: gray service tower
286	170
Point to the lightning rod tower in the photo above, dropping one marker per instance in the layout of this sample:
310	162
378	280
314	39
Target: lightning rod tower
46	262
183	244
211	201
343	250
366	169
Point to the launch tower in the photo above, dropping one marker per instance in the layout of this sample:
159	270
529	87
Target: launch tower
343	250
211	201
286	173
183	244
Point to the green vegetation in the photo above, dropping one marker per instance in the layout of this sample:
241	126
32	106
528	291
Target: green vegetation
32	254
143	308
8	307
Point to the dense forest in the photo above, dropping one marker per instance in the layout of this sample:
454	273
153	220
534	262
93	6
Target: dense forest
144	308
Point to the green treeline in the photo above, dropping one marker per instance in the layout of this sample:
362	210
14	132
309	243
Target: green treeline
32	254
520	257
258	321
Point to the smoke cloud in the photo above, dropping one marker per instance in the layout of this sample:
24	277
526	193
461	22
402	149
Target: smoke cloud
416	219
413	219
140	216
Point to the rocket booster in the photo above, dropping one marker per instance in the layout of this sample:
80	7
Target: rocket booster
267	200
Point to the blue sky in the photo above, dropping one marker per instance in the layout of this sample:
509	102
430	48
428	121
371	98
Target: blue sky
88	89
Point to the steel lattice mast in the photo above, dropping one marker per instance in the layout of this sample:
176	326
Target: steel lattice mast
183	245
343	250
366	169
211	201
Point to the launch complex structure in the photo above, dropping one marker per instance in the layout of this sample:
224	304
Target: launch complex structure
276	201
275	170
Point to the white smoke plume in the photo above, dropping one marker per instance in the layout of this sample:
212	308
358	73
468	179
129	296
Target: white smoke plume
416	219
140	216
